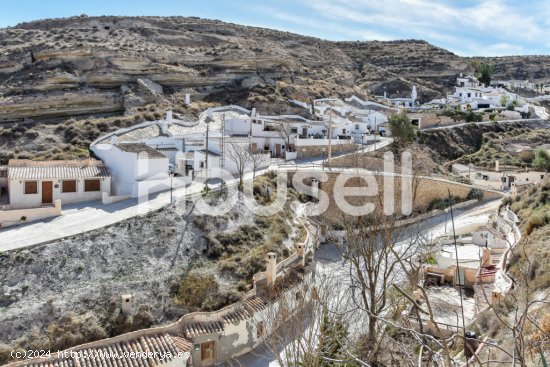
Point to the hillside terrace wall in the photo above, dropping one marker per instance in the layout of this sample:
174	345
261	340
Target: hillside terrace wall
338	146
14	217
425	190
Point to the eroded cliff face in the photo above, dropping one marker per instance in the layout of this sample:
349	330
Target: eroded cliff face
216	61
81	60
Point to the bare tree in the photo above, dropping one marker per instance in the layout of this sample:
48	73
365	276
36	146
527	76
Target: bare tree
287	132
239	153
258	160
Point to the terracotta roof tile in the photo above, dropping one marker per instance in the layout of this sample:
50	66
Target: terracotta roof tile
27	169
117	354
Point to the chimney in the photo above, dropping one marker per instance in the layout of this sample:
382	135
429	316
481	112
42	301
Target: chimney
271	269
127	304
497	166
166	122
169	117
300	249
253	112
187	99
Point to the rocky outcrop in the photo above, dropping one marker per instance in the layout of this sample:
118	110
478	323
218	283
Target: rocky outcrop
40	106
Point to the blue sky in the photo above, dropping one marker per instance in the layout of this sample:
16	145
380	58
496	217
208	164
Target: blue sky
466	27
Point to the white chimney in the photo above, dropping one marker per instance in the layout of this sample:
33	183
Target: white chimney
187	99
253	112
271	269
114	140
169	117
127	304
497	166
300	249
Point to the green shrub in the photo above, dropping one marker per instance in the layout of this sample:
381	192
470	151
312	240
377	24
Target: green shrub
541	160
475	194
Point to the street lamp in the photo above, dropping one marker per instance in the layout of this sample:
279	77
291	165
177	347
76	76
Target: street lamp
207	121
323	162
362	143
171	174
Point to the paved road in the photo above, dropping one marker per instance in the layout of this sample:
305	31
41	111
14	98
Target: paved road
329	263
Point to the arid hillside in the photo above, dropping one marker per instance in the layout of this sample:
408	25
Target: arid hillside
65	81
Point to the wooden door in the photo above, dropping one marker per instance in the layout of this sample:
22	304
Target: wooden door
207	353
278	150
47	192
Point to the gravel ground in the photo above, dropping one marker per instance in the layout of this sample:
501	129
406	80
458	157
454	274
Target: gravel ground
85	275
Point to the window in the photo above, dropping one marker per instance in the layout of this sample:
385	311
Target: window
3	173
68	186
92	185
294	130
356	126
259	330
469	95
31	187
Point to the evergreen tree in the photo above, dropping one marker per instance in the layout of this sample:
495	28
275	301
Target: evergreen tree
484	72
402	130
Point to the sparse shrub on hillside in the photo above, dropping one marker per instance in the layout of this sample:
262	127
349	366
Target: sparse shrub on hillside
535	221
541	160
5	353
195	289
471	116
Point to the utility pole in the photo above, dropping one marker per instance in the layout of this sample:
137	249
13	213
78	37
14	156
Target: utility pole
458	274
329	138
206	160
206	154
171	187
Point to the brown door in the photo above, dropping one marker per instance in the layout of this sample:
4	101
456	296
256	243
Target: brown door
207	353
47	196
278	150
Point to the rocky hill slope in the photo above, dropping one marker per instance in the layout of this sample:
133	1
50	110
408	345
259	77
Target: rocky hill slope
128	69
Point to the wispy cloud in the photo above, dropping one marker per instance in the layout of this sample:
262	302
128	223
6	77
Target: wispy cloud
470	27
